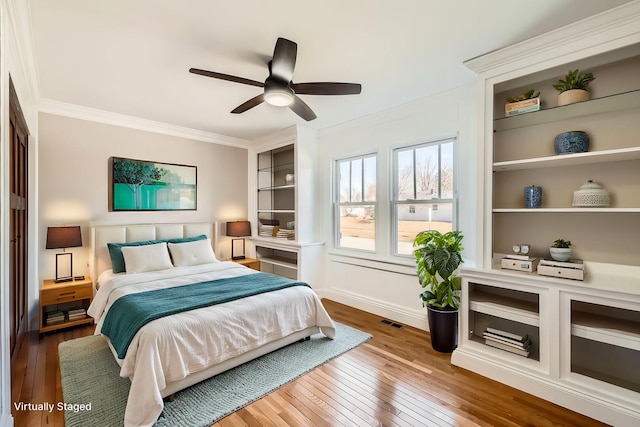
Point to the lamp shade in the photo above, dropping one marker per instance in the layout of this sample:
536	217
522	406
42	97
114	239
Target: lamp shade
63	237
238	228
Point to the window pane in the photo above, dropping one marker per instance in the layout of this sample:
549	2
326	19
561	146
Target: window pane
446	170
427	175
357	227
413	219
370	179
405	175
356	180
344	180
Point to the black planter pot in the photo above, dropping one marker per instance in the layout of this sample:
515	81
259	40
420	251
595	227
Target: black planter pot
443	326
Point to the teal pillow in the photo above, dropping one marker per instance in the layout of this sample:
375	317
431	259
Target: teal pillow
117	259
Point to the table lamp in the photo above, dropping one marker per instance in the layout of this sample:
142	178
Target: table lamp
238	229
62	238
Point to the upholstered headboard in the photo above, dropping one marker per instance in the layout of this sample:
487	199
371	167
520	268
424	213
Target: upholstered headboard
101	235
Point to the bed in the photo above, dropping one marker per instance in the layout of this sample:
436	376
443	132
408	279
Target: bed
175	351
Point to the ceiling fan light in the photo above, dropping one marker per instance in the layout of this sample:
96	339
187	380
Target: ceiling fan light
279	97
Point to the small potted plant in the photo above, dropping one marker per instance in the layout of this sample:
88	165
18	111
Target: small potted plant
561	250
574	88
523	103
437	258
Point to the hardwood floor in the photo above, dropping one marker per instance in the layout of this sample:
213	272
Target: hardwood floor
395	379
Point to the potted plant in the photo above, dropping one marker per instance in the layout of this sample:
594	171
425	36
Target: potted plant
437	258
527	95
574	88
523	103
561	250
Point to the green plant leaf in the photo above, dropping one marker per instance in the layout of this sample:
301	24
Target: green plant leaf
437	258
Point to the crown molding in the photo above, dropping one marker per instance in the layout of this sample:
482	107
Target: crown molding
58	108
608	30
21	46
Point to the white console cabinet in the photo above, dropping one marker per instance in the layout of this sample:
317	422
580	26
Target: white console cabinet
585	335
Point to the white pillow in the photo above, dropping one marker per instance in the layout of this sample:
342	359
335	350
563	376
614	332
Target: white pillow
192	253
138	259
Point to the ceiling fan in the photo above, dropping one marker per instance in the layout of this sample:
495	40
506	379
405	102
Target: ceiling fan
279	89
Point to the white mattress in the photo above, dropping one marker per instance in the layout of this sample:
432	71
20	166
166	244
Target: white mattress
171	348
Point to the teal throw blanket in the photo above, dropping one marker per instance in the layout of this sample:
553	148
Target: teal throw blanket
131	312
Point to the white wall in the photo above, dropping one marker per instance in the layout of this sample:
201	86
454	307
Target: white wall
380	283
73	181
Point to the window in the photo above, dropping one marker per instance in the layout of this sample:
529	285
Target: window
355	204
422	191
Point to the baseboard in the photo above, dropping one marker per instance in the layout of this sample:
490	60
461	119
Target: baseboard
415	318
609	412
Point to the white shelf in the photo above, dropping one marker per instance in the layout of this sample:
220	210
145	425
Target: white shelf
617	155
571	210
609	330
618	102
278	187
278	168
276	211
279	261
602	376
505	307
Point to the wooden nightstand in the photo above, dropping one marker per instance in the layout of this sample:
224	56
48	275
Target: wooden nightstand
65	296
249	262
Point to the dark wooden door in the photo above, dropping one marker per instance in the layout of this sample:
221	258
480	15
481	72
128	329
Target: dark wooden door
18	186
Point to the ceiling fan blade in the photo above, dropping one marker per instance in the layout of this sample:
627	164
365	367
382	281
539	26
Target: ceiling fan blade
249	104
300	108
284	60
326	88
226	77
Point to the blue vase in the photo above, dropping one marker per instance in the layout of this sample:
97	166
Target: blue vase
532	197
575	141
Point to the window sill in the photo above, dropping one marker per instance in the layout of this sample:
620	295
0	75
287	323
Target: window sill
361	260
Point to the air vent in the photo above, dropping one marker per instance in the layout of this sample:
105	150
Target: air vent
392	324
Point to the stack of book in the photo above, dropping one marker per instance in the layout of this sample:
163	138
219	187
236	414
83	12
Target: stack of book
55	317
521	107
266	230
78	313
283	233
514	343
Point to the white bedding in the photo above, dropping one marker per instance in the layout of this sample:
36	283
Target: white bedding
170	348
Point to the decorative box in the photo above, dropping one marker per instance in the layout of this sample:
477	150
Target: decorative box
566	270
528	265
591	194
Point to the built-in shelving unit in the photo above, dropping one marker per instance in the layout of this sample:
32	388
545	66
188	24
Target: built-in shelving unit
521	149
282	199
585	334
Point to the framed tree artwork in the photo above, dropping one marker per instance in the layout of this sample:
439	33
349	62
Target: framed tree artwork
141	185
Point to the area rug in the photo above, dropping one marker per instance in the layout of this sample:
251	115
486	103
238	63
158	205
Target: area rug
89	374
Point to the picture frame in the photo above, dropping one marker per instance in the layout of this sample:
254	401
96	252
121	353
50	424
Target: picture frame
143	185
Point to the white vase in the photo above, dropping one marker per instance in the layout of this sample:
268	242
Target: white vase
572	96
561	254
